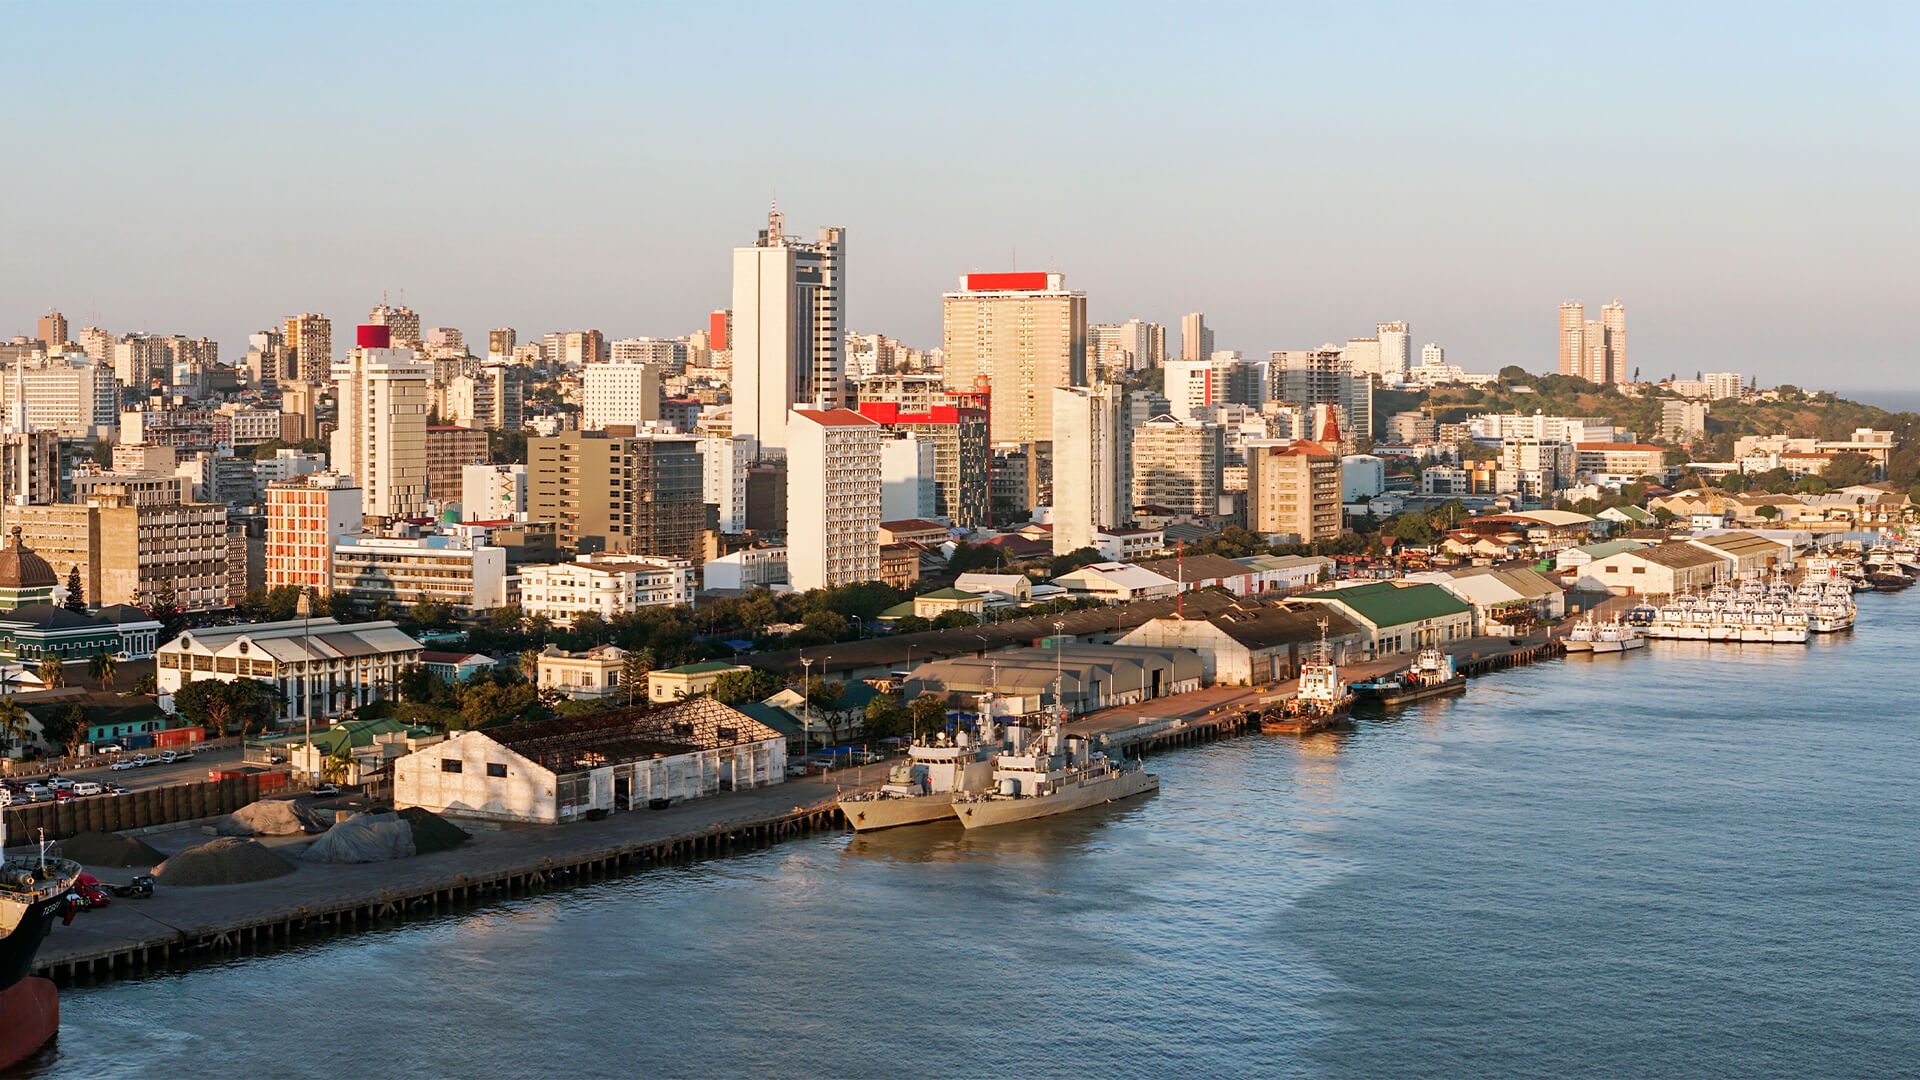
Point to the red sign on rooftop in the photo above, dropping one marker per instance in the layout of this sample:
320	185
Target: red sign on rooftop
1003	282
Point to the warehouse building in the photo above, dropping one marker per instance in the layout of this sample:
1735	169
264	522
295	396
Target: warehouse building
1091	676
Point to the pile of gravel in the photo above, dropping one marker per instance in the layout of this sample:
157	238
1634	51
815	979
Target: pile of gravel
363	838
431	832
107	849
269	817
229	860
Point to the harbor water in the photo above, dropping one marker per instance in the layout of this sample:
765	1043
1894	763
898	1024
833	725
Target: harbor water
1691	860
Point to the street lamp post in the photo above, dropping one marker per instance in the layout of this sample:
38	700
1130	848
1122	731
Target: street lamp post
806	703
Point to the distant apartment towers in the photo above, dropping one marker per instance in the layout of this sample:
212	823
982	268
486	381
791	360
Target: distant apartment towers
1595	350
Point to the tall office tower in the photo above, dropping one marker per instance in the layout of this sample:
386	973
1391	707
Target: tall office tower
1016	336
1196	341
1156	344
627	494
789	330
956	424
403	325
507	390
1090	489
382	438
1613	320
724	463
574	347
1396	351
98	345
833	496
618	393
52	329
720	330
1309	377
500	343
1293	491
310	337
1362	355
304	518
670	354
1176	465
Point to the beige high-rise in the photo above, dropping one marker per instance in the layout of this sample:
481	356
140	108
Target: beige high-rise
52	329
1017	336
310	336
1595	350
382	437
1293	489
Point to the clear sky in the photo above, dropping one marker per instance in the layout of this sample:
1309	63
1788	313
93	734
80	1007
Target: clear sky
1742	175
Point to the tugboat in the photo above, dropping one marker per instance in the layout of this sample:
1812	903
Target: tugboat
1321	701
1432	675
923	788
1049	773
33	893
1611	637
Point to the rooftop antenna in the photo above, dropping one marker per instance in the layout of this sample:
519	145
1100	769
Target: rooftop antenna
776	223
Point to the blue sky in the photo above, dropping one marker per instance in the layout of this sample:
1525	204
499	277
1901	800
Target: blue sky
1743	176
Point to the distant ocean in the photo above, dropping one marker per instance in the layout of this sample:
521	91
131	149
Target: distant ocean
1890	400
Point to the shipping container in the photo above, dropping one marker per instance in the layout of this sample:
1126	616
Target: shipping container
179	737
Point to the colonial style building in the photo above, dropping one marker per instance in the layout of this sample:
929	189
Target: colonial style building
322	667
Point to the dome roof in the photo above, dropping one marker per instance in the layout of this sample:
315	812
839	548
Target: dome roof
20	568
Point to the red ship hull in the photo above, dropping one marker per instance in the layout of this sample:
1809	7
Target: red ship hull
29	1016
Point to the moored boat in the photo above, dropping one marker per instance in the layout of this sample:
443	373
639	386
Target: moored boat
922	788
1321	700
33	893
1049	773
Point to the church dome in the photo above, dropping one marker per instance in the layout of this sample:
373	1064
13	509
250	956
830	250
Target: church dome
20	568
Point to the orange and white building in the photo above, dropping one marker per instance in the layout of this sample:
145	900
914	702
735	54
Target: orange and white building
304	519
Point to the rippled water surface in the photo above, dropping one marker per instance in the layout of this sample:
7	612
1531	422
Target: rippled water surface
1693	861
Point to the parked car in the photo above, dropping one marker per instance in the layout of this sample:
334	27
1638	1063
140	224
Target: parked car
109	748
168	757
58	783
124	763
326	791
89	787
141	761
38	792
115	789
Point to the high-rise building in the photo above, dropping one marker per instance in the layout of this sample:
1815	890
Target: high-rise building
1362	355
267	359
789	330
1115	350
1090	487
724	463
1195	385
1309	377
1396	351
500	343
1432	355
97	344
1293	491
304	518
52	330
1016	336
299	411
1196	341
634	494
957	425
619	393
720	330
75	398
1176	465
1682	421
906	477
310	336
1595	350
450	449
572	348
833	498
126	548
669	354
382	438
1723	384
402	323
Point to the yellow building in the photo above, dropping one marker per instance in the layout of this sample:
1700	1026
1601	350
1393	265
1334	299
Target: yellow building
1018	336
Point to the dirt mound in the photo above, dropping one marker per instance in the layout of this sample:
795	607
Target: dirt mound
107	849
431	832
269	817
363	838
230	860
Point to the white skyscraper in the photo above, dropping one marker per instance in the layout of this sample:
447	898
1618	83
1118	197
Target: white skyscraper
1396	351
1090	487
833	497
724	461
382	438
789	330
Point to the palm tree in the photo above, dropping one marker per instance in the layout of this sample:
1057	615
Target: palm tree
52	672
13	723
102	669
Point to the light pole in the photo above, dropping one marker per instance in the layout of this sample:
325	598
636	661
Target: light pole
806	703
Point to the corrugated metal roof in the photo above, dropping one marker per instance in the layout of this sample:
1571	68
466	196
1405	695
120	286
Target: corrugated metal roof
1387	604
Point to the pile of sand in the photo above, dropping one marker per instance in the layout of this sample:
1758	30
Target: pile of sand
431	832
363	838
230	860
269	817
107	849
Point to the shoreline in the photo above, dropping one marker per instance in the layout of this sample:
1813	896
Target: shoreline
182	926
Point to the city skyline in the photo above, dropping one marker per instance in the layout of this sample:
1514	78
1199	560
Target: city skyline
1714	203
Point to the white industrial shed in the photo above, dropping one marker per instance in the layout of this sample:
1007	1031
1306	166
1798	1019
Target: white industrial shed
560	770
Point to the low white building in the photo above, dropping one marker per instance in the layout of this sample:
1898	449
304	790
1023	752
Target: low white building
1125	545
606	585
561	770
493	492
748	568
404	570
1116	582
1000	590
322	667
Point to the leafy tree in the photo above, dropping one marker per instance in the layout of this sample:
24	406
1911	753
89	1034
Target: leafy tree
1663	515
912	624
430	614
968	557
508	618
52	672
418	686
76	592
929	712
338	764
14	723
885	717
948	620
166	611
742	687
1414	528
65	727
221	706
146	684
1769	512
102	668
102	452
1848	469
1074	560
488	704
